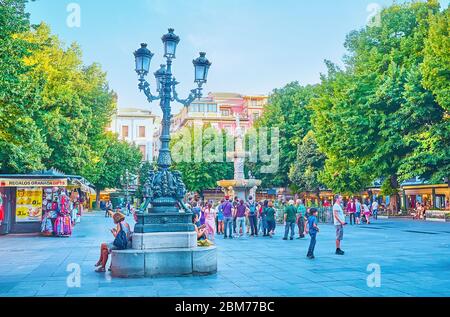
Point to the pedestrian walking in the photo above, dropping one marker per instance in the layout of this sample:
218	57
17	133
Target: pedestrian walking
220	218
235	204
351	209
357	212
108	209
366	211
253	216
227	209
128	206
270	218
241	210
262	226
312	229
375	209
301	214
289	220
339	223
210	221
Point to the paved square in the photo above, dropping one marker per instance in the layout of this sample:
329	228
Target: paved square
413	256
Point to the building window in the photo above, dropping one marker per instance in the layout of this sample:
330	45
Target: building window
194	107
142	132
201	108
212	107
225	113
255	115
143	150
125	133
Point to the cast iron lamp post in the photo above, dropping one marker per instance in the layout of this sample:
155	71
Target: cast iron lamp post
164	188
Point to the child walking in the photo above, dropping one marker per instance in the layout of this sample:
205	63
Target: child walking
313	229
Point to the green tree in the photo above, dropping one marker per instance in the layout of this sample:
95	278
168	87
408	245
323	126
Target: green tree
201	168
435	67
286	111
431	157
144	170
22	144
368	116
77	103
304	173
118	157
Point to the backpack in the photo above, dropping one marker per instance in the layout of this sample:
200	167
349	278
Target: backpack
121	241
252	209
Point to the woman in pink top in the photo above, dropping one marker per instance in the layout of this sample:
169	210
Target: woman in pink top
210	221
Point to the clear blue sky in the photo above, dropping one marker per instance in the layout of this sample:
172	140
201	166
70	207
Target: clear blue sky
254	45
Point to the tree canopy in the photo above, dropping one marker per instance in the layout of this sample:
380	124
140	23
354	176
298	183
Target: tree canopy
54	110
199	153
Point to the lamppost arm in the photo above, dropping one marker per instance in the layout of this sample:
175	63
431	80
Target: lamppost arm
145	87
195	94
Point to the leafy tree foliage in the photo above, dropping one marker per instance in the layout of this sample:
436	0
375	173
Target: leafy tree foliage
22	145
199	167
304	173
287	110
53	109
370	117
118	157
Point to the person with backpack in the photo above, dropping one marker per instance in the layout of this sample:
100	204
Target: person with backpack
253	216
122	240
262	225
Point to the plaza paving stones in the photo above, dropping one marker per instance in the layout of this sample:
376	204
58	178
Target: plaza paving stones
414	258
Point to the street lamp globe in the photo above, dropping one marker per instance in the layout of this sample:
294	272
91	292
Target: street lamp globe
143	57
160	74
170	41
201	65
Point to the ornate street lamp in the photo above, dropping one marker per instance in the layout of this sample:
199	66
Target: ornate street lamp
201	65
170	41
143	57
164	187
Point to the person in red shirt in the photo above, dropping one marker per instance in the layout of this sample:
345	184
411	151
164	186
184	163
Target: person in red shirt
351	209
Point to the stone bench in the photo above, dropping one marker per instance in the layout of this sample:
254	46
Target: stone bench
164	262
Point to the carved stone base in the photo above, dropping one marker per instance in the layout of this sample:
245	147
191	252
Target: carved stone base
164	262
164	222
164	240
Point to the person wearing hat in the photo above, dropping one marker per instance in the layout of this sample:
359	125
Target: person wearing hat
106	248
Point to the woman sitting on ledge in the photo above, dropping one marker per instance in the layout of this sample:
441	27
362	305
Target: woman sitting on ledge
202	240
106	248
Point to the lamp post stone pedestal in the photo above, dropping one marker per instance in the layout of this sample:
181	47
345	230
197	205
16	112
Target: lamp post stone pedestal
164	238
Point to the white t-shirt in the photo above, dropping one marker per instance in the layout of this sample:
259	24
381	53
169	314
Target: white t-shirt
374	205
366	208
340	214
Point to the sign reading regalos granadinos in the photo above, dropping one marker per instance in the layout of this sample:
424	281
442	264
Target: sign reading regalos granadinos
17	182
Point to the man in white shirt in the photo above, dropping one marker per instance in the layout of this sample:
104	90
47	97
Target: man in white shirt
339	222
375	209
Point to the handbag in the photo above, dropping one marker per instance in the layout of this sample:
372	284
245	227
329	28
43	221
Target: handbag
121	241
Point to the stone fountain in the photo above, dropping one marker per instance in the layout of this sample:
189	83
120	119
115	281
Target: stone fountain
239	186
